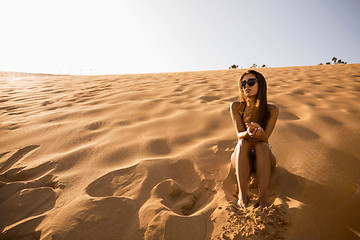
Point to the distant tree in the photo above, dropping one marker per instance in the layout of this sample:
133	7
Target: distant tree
263	65
341	62
254	66
338	61
334	59
233	66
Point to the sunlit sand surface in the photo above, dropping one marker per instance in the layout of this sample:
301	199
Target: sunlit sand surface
147	156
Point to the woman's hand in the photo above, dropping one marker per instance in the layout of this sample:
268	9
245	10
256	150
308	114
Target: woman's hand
254	130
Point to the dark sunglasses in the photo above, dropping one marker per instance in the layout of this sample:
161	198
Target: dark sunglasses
251	82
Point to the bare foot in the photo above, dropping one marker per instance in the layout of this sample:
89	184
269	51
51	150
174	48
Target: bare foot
242	202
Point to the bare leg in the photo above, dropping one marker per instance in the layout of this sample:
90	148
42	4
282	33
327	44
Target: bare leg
263	170
272	160
241	160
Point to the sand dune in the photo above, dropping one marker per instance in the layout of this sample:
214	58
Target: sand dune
147	156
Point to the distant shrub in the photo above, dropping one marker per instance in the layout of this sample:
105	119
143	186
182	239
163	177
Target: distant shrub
335	60
341	62
252	66
233	66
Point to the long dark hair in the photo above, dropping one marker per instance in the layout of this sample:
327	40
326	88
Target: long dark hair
262	114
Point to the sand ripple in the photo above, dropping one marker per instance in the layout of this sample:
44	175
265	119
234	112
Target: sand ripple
147	156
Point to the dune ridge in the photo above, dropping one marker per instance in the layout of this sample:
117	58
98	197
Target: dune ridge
147	156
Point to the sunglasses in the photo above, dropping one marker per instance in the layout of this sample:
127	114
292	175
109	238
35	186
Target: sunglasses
251	82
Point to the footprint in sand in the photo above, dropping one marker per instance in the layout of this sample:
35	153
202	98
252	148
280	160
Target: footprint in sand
171	208
171	195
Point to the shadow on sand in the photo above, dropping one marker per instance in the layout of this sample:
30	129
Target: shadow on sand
311	208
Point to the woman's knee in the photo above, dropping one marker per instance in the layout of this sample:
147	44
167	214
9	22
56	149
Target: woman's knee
244	144
233	156
262	150
241	151
261	147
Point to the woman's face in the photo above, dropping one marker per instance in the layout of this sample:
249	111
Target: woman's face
250	91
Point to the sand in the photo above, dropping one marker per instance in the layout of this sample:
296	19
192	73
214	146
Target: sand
147	156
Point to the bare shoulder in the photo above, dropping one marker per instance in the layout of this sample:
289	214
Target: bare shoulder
273	109
235	105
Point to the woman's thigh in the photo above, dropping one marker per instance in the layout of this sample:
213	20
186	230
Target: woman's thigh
266	148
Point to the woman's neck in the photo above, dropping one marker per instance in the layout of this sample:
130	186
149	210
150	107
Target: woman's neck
251	101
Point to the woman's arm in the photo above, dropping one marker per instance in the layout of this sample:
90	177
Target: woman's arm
260	134
274	113
241	132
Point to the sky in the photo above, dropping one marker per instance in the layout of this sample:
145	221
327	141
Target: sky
151	36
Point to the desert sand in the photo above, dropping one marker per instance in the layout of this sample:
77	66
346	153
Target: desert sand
147	156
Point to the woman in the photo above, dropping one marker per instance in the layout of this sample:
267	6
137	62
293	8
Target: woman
254	120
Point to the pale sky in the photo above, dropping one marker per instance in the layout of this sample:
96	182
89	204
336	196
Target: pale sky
141	36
